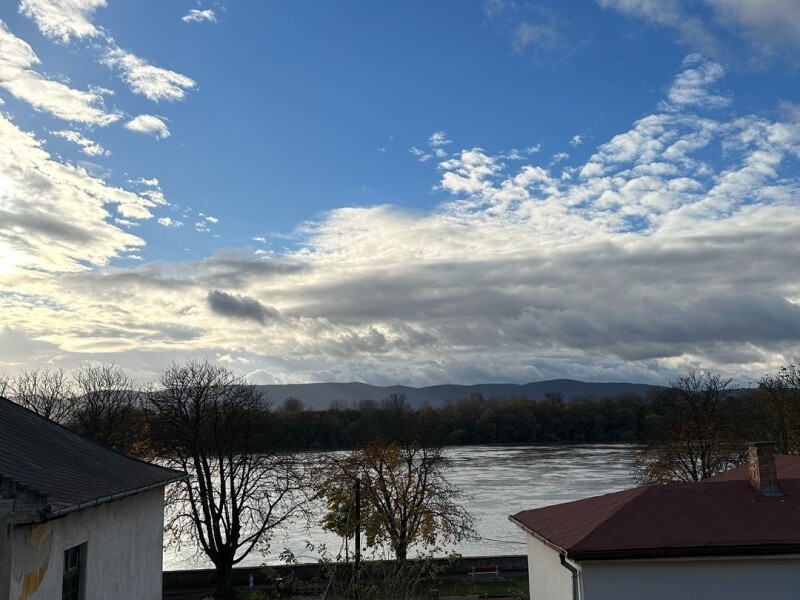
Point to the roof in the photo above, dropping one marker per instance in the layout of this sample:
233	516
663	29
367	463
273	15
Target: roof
68	470
720	516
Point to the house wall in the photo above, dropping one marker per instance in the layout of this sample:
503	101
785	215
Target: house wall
123	551
706	579
548	579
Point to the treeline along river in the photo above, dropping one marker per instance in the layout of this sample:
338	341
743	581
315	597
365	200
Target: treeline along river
500	480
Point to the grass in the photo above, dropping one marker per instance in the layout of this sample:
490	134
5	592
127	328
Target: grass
516	587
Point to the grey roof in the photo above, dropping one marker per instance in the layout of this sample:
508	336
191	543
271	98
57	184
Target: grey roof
70	471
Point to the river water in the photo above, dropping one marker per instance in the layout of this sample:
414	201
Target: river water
500	480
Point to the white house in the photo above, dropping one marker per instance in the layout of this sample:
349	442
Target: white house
736	535
77	520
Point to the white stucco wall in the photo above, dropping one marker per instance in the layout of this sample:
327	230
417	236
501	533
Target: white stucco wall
750	578
548	579
123	551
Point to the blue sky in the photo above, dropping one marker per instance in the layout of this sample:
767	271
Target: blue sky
417	192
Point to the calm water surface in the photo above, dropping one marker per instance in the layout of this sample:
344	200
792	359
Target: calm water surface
501	480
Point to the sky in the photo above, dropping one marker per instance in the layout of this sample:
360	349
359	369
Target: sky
417	192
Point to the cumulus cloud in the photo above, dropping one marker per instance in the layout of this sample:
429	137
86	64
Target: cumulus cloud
154	83
62	19
54	216
240	307
150	125
18	77
88	147
198	16
649	259
168	222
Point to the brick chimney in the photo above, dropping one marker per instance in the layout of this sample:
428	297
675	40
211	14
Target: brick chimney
763	474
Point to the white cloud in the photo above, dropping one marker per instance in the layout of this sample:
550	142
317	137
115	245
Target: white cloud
647	259
17	76
150	125
576	140
88	147
63	19
154	83
538	34
198	16
54	216
211	219
770	23
438	139
168	222
761	29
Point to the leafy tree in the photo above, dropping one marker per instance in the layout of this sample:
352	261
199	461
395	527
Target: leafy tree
204	420
691	434
405	497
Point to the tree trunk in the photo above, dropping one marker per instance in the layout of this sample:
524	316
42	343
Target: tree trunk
225	589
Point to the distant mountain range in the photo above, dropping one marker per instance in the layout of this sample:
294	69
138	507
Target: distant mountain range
319	396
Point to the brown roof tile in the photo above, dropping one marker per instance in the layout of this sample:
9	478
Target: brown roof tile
718	516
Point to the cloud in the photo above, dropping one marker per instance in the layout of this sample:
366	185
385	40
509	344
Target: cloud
61	19
541	35
528	26
154	83
19	78
88	147
54	216
762	30
576	140
648	259
168	222
438	139
198	16
150	125
692	86
240	307
770	23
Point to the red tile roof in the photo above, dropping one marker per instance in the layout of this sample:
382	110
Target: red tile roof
720	516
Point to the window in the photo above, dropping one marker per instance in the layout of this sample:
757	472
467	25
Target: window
71	586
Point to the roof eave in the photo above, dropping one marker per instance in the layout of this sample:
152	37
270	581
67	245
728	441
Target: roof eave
738	550
50	513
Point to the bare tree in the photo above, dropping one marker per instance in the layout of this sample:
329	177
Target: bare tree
106	400
690	436
3	384
46	392
774	409
406	498
204	420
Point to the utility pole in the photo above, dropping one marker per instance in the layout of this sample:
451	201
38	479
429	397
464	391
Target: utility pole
357	494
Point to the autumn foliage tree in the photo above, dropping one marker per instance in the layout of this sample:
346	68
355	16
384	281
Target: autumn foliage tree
406	499
691	433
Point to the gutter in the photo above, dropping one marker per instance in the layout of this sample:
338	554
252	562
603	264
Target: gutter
562	554
54	514
572	569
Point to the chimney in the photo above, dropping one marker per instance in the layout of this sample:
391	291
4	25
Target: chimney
763	474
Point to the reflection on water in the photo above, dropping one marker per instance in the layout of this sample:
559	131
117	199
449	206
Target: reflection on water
501	480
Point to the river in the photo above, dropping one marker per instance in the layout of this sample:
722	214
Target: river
500	480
